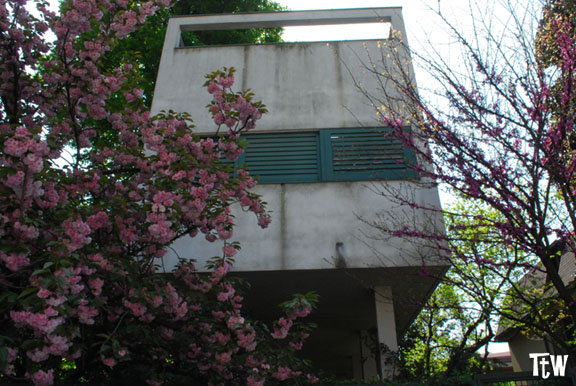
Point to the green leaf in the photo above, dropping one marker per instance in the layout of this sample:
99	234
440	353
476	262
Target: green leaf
3	356
27	292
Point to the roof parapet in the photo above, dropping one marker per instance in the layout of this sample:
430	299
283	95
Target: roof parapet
179	24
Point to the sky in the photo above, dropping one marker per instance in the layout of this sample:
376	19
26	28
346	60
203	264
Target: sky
417	16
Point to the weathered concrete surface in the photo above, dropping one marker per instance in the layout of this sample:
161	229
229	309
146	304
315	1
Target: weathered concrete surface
305	85
308	220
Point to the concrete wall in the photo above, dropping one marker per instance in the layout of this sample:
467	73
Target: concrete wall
307	222
306	86
520	349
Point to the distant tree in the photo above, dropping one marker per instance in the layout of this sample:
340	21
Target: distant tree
461	315
144	46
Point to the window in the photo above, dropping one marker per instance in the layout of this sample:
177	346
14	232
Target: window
326	155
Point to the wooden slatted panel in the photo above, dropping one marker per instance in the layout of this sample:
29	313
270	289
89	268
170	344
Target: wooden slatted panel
283	157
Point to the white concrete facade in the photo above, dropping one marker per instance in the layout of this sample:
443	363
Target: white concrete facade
310	87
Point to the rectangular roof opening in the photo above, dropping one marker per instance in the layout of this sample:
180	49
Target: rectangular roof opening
303	26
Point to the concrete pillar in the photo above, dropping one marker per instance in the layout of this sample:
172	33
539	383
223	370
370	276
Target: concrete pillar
364	362
386	325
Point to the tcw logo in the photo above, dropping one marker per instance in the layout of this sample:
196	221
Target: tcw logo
557	362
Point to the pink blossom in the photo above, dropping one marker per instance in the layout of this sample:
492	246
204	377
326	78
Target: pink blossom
39	321
110	362
224	357
12	354
226	82
296	345
220	272
247	340
255	381
42	378
136	308
86	314
59	345
14	147
312	378
166	333
282	373
229	250
219	118
77	231
264	221
54	302
300	311
213	88
251	361
281	329
179	175
226	294
235	322
13	261
38	355
34	162
161	231
96	286
221	338
98	220
15	181
27	232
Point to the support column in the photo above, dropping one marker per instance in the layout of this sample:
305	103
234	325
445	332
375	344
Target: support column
386	325
364	362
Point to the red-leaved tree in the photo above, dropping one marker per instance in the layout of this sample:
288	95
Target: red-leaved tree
93	190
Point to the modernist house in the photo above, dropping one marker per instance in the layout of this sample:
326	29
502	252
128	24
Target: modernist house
322	158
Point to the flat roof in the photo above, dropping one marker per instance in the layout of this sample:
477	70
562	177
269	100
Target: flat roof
286	18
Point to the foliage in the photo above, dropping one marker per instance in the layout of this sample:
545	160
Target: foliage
144	46
498	129
459	318
86	215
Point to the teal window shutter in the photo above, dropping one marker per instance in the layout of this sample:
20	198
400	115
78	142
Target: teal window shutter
326	155
283	157
365	154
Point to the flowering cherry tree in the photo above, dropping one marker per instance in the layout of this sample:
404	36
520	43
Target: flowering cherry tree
93	189
498	130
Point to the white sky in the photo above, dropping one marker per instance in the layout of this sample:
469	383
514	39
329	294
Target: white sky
415	12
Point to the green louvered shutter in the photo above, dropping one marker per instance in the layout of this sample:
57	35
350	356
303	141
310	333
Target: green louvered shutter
283	157
364	154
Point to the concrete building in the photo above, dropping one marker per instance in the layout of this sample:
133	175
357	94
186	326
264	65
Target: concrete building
322	159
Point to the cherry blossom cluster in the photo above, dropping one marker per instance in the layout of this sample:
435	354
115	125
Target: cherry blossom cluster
94	190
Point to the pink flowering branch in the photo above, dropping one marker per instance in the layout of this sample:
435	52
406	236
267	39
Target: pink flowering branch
93	190
498	130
